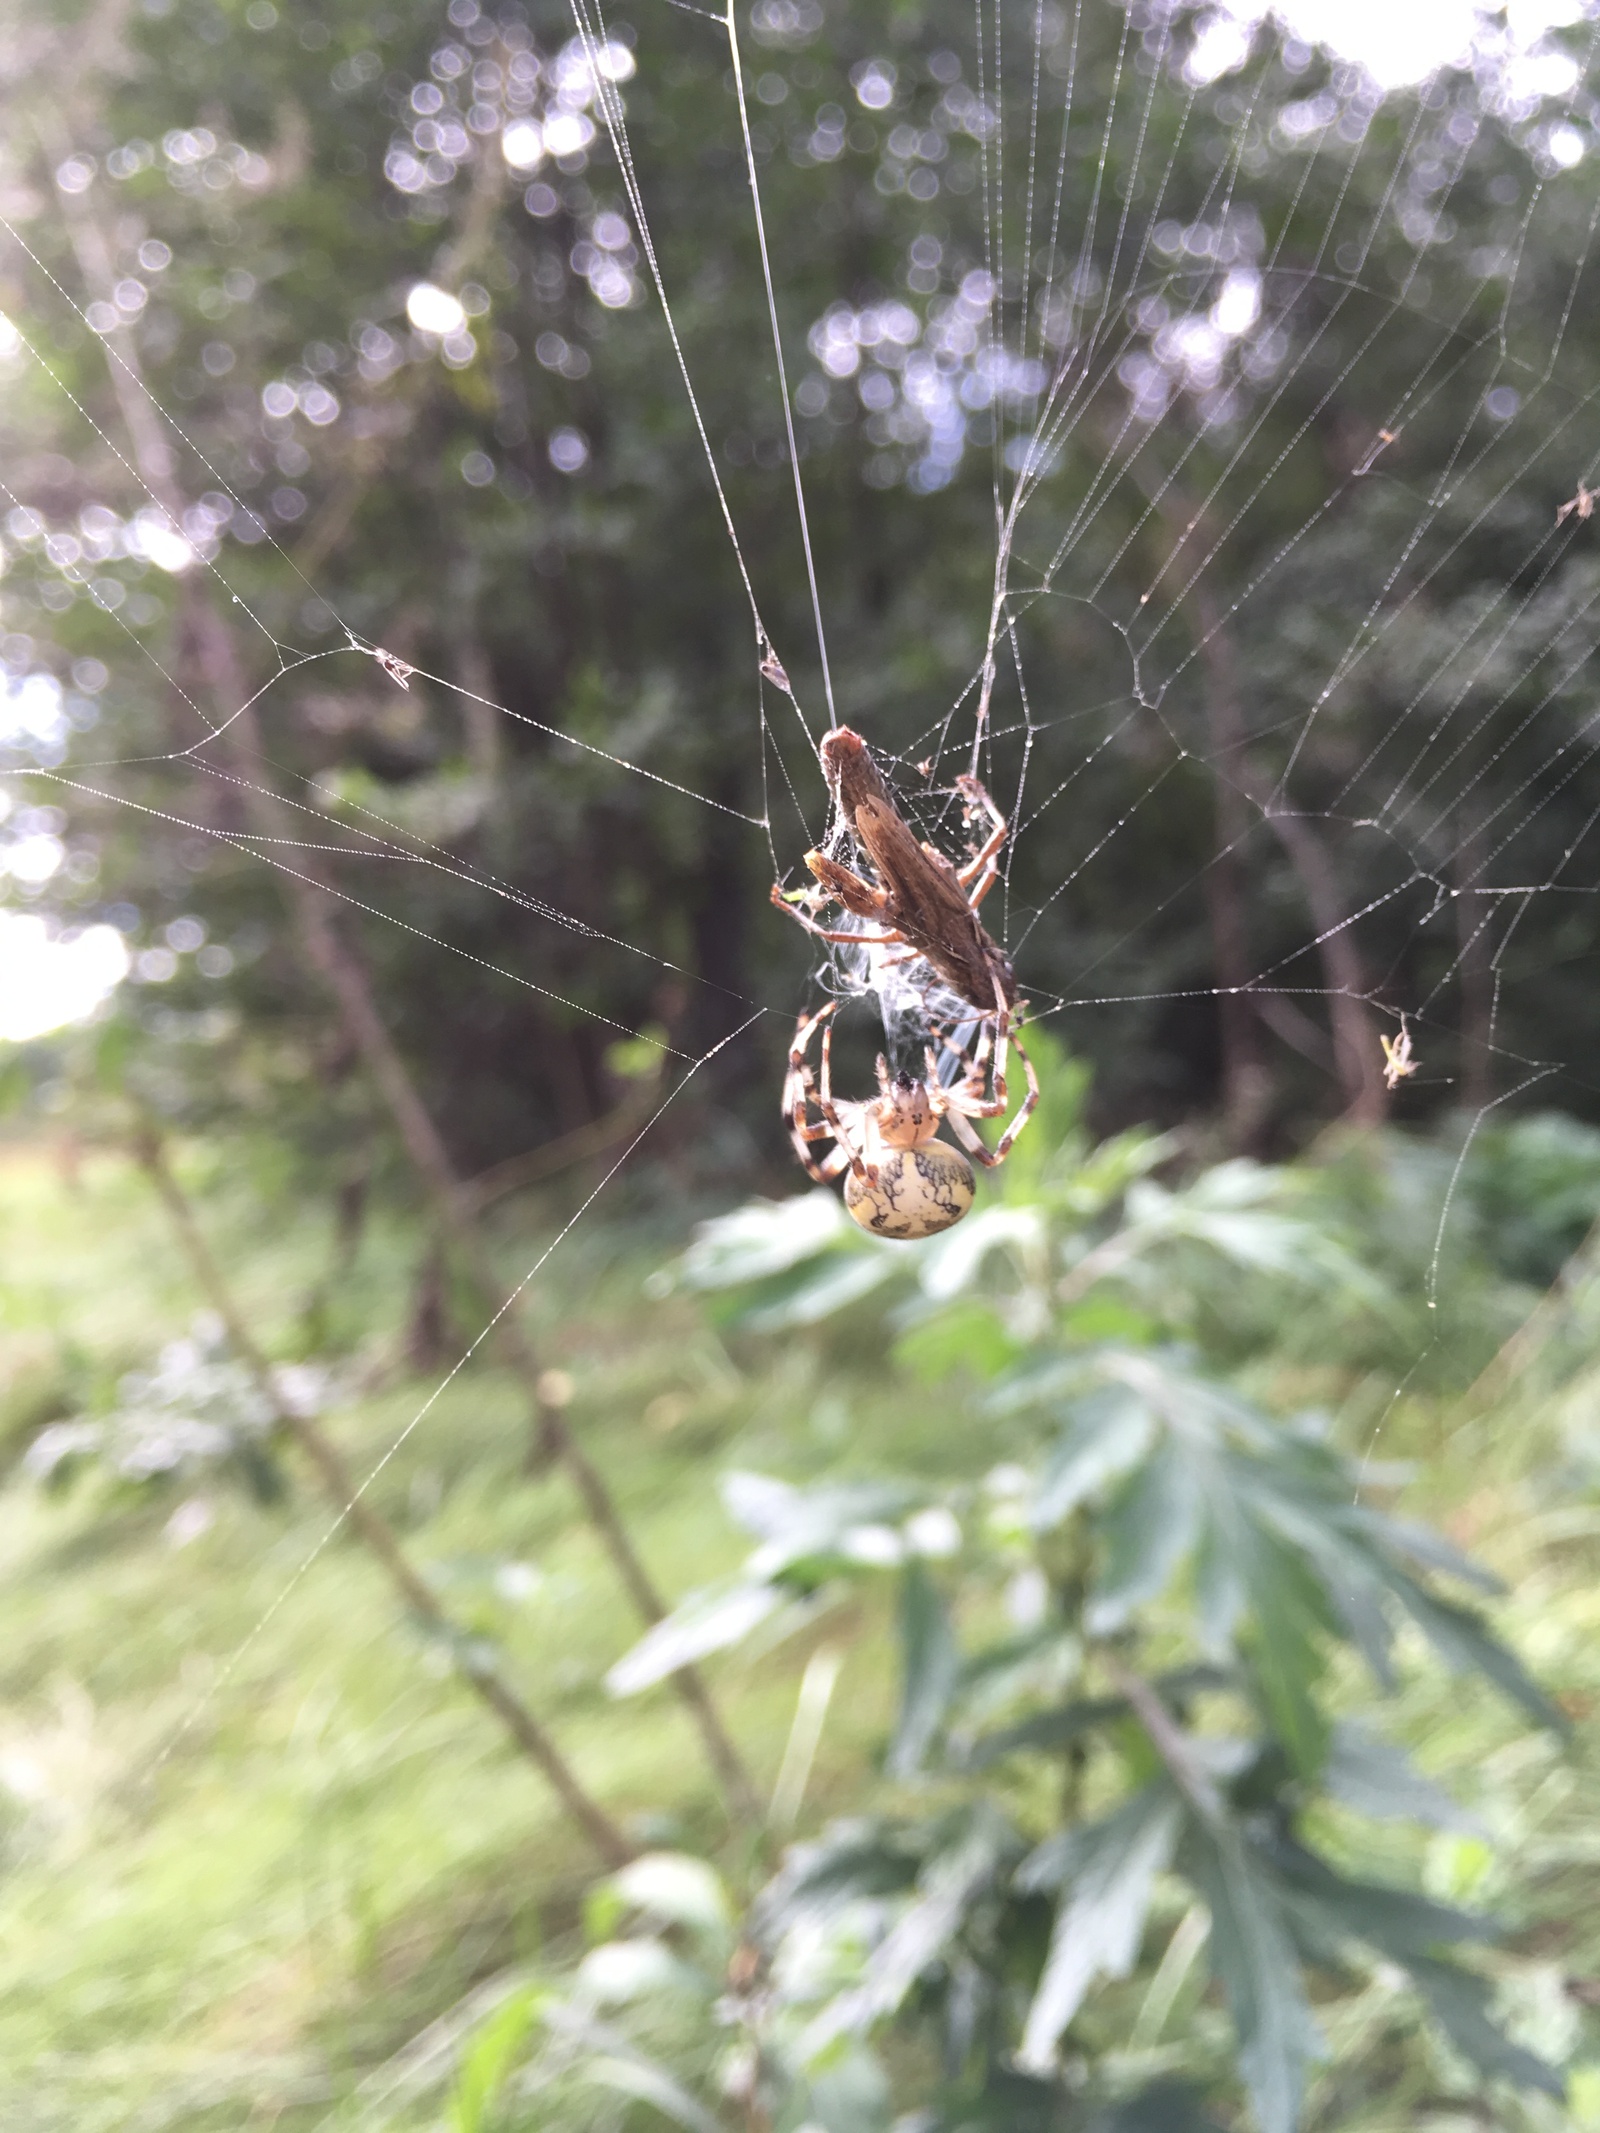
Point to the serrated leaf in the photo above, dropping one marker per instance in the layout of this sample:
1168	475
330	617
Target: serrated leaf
1378	1779
821	1525
1008	2102
1359	1605
854	1860
706	1622
1100	1922
1149	1530
1422	1545
1219	1589
1396	1922
932	1666
1460	2004
1107	1435
1461	1639
1254	1959
956	1877
1085	1714
1048	1729
1287	1621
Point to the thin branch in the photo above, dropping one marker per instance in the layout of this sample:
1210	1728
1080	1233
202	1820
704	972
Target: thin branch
211	660
369	1525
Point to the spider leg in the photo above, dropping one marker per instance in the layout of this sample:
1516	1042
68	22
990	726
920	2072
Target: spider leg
967	1134
966	1101
826	1106
825	933
797	1091
975	796
1003	1146
990	875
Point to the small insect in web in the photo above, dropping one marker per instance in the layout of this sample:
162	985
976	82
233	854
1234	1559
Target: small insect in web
772	669
1580	506
900	1180
922	910
394	666
1379	444
1398	1062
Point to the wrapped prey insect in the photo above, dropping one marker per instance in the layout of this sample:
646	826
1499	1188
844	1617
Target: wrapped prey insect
920	900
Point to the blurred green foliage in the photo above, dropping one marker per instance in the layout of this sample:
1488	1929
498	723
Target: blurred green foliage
979	1564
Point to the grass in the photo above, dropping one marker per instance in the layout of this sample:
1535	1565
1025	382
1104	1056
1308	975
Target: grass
257	1837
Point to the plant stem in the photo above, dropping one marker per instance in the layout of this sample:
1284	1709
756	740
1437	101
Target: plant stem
209	658
369	1525
1167	1738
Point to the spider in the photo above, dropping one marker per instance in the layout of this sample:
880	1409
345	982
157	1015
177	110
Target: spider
902	1181
1397	1057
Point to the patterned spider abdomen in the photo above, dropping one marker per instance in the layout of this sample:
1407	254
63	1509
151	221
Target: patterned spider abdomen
919	1191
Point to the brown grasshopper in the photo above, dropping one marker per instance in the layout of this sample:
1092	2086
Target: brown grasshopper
921	901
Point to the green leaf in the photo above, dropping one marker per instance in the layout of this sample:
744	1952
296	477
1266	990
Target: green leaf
839	1282
1099	1925
1108	1434
978	1846
932	1667
967	1336
1221	1595
1460	2004
953	1261
869	1859
1379	1780
1396	1922
492	2049
1166	2107
1288	1619
1104	1317
1068	1722
648	2081
706	1622
1254	1959
679	1890
1047	1730
1460	1638
764	1237
1150	1529
1403	1536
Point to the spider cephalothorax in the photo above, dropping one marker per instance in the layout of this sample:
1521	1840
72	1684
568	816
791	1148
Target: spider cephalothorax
901	1180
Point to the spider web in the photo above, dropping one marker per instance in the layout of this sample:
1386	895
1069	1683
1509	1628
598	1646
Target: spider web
1196	398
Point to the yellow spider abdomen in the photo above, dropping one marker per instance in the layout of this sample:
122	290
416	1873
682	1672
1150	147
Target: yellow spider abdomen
919	1191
